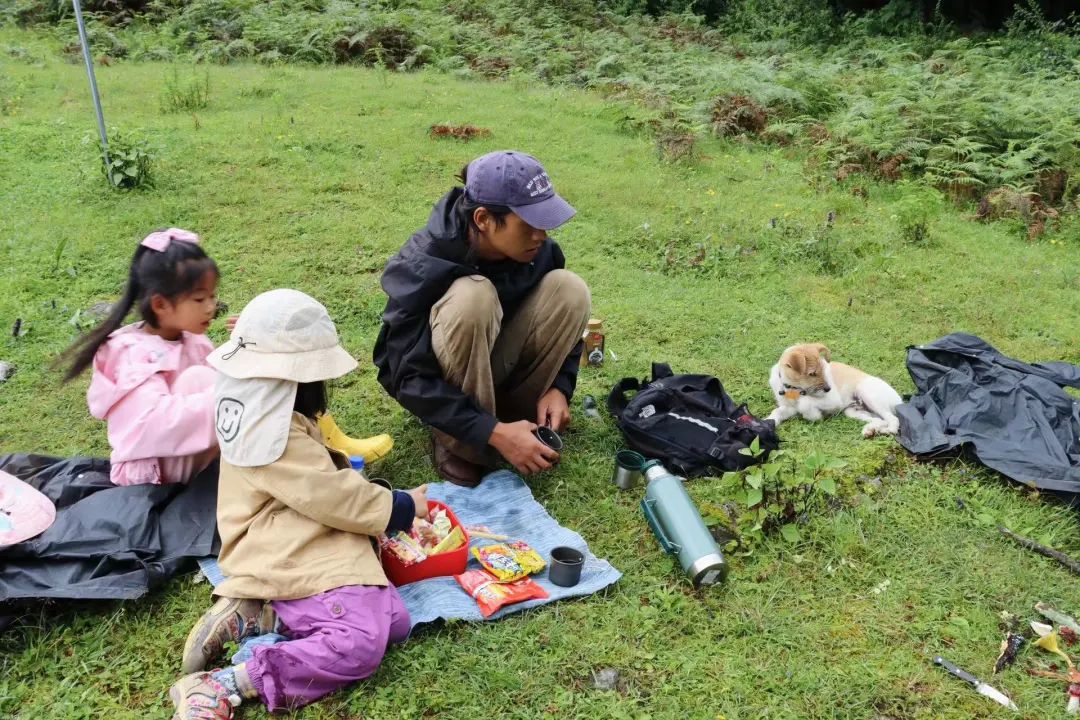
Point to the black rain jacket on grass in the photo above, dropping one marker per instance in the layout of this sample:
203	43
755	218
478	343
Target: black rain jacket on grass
1013	417
108	542
414	280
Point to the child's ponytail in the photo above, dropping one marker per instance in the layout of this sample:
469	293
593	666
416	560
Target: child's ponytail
171	271
84	349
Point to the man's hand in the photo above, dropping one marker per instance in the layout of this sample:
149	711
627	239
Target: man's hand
516	442
419	496
552	410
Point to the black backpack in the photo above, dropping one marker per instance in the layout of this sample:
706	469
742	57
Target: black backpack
689	423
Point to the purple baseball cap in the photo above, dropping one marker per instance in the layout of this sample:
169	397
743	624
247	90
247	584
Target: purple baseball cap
519	182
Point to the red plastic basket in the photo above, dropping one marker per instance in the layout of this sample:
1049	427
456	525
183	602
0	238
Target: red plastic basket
452	562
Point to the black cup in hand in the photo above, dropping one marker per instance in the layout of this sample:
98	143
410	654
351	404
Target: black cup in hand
549	437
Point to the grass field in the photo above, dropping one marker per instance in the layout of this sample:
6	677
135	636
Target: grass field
312	177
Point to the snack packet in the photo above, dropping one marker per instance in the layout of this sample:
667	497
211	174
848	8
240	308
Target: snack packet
490	594
426	533
510	561
441	522
403	547
453	541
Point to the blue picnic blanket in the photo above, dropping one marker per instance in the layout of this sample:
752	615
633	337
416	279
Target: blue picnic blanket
505	504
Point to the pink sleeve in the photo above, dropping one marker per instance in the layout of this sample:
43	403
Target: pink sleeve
152	421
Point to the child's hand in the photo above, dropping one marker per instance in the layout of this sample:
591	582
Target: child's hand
230	322
419	496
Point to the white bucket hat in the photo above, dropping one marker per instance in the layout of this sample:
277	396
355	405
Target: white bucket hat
283	337
287	335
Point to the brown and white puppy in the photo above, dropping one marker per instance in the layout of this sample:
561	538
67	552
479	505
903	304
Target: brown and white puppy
805	382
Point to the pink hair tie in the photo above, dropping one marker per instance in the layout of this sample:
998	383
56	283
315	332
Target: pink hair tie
160	240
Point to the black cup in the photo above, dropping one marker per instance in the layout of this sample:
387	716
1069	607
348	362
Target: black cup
566	564
549	437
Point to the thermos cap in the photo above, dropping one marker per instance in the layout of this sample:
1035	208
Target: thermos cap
708	570
653	469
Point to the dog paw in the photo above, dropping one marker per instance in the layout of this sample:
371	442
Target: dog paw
876	429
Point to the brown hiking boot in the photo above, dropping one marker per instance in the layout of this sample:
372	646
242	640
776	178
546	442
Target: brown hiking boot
454	468
199	697
227	620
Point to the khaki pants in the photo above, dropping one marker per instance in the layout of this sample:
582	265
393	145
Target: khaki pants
506	368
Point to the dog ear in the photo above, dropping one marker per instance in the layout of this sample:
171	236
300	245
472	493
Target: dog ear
796	361
822	351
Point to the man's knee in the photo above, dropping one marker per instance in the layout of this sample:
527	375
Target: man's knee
470	303
567	293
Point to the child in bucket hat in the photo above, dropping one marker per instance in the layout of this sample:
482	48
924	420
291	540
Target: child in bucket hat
296	524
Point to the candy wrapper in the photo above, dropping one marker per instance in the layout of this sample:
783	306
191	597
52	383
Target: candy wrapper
490	594
440	522
403	547
511	561
426	534
426	537
453	541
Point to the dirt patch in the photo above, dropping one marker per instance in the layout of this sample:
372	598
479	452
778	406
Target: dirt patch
847	170
458	132
491	67
818	132
889	169
382	45
1051	184
738	115
1006	203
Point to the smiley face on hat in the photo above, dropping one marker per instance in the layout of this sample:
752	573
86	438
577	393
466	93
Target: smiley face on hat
230	412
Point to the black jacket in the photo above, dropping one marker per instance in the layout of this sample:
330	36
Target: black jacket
415	279
1013	417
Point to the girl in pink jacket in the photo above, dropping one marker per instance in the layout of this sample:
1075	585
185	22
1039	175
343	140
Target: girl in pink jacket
151	383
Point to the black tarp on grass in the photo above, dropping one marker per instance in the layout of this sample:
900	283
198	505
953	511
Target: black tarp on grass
108	542
1013	417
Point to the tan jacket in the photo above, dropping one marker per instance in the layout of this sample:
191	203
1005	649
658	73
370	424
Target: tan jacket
300	525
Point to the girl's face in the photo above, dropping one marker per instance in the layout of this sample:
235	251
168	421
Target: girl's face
191	312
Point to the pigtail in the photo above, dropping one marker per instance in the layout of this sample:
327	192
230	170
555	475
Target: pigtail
84	349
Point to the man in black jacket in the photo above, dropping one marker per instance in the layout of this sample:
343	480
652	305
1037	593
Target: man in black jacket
481	334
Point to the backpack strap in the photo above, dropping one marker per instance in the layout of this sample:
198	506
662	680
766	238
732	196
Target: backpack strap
617	400
660	371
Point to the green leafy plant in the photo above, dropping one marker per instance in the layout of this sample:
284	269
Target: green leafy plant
818	248
778	495
963	114
131	162
918	205
185	95
676	136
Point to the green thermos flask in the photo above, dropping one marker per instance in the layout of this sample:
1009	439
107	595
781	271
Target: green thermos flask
677	524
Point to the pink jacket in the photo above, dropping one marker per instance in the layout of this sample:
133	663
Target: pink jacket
132	391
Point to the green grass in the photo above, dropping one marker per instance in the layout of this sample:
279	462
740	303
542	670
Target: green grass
311	178
965	114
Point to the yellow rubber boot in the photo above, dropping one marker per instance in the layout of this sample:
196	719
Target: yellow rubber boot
371	448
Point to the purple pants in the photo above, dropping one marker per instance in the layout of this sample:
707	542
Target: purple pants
337	637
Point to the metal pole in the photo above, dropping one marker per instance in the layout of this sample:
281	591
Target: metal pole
93	86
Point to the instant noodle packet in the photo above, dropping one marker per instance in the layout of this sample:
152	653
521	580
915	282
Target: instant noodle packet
491	594
511	561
